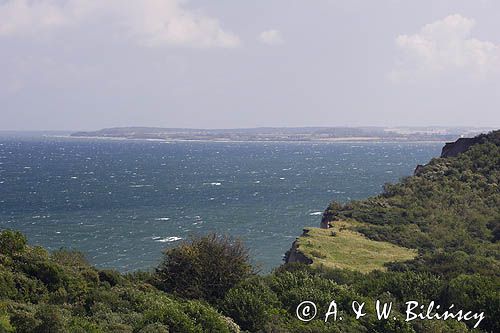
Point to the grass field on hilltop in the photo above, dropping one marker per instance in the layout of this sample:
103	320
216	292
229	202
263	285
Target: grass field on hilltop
341	247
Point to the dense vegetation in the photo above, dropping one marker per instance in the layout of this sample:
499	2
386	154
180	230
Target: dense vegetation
449	213
61	292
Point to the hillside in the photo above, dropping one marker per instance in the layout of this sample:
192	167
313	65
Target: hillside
449	211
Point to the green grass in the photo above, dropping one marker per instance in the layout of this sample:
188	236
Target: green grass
341	247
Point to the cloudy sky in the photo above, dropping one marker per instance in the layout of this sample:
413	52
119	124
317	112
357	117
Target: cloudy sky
88	64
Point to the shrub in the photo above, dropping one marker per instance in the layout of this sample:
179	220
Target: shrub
22	317
154	328
205	316
110	276
51	320
12	242
477	293
69	258
251	304
204	268
7	284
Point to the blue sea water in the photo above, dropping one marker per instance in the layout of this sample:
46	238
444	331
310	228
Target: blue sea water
122	202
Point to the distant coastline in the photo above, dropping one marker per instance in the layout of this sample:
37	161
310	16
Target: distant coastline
337	140
299	134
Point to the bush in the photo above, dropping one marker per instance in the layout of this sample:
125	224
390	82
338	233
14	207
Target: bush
477	293
206	317
69	258
7	285
51	320
5	325
11	242
204	268
251	304
110	276
154	328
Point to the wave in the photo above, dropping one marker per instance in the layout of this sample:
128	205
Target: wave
166	239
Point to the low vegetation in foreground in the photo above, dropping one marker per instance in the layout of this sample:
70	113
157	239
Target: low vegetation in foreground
343	247
445	221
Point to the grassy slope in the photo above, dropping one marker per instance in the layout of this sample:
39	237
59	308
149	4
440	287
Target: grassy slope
341	247
449	212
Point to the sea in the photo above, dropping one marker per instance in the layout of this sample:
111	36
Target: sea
122	202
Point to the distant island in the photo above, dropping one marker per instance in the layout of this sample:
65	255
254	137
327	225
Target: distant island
298	134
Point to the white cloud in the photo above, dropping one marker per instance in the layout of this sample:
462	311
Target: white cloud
151	22
21	16
271	37
445	47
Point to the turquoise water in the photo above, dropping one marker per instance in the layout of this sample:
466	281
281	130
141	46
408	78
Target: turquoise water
122	202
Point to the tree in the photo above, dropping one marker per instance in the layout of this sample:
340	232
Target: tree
204	268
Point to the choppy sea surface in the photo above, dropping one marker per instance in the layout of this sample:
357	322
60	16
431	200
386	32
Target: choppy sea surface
122	202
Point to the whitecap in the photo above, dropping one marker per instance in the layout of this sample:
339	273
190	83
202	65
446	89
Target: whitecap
162	219
168	239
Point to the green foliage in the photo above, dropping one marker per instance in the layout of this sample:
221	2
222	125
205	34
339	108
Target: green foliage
5	325
450	211
61	292
477	293
204	268
11	242
51	320
110	276
154	328
420	287
252	304
70	258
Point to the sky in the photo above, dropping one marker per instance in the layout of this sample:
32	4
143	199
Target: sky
91	64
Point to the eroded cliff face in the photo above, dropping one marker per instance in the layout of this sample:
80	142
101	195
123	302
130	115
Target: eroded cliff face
452	149
294	254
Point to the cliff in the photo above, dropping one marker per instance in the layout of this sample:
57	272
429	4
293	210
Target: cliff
443	201
452	149
295	255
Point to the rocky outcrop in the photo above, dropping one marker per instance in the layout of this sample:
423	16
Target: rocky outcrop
325	223
452	149
294	254
330	214
418	169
